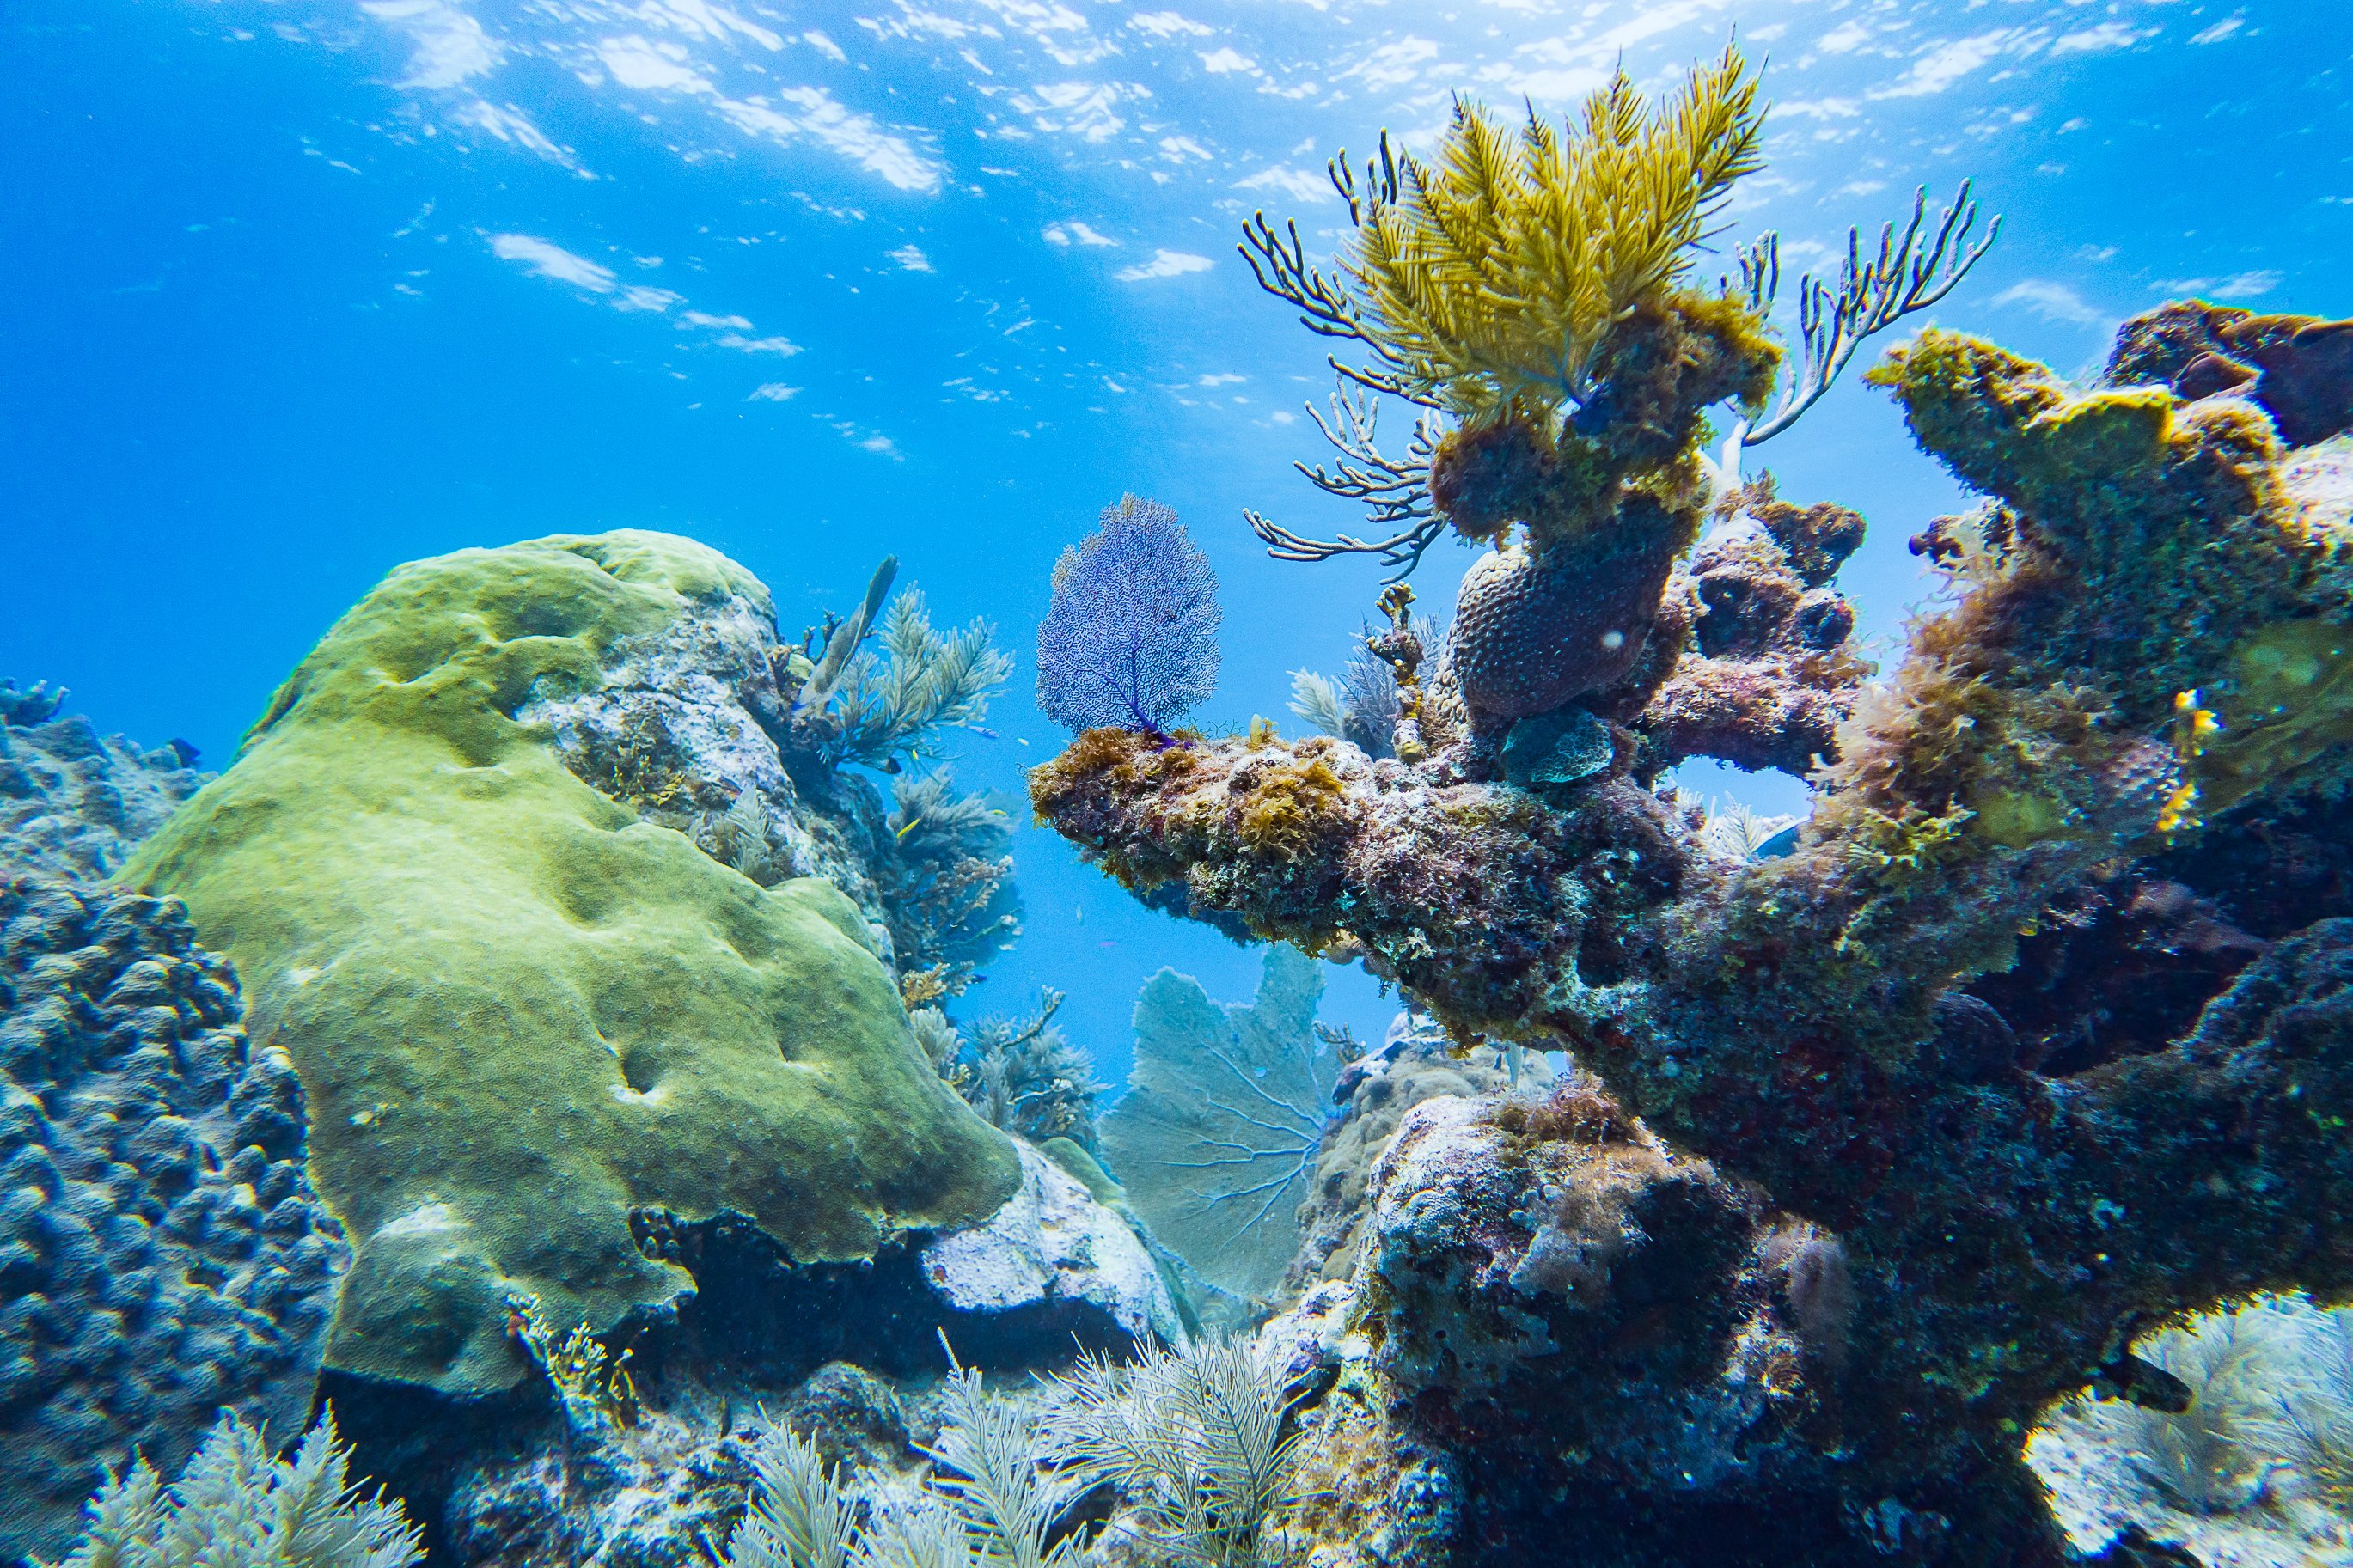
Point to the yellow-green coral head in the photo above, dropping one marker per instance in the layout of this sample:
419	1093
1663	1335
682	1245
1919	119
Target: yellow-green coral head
1493	276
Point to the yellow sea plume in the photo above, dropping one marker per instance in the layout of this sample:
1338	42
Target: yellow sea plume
1492	278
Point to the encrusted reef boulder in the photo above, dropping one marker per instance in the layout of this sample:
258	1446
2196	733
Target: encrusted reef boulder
2298	369
1373	1095
683	722
73	802
532	1023
1564	1339
1769	675
162	1255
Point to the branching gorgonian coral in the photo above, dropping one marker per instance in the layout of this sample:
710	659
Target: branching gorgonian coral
990	1506
1199	1438
987	1464
1364	704
1539	280
1489	280
2212	1457
1026	1078
946	882
932	681
236	1507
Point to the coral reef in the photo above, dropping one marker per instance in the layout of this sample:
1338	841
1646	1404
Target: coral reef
532	1024
2123	963
72	803
1216	1136
1130	639
698	724
163	1254
1558	1330
2143	636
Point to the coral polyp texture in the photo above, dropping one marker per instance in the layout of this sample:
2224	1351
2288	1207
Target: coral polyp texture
163	1254
536	1027
2145	645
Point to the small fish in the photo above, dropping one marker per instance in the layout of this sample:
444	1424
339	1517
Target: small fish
986	734
1020	741
1106	944
909	828
1079	915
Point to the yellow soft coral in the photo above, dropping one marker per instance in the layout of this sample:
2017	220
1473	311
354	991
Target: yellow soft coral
1495	275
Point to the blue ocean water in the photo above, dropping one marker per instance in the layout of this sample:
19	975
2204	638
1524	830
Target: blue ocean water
300	289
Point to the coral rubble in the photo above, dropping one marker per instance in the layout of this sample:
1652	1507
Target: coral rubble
2146	633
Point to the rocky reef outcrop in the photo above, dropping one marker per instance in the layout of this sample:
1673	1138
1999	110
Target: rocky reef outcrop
74	803
2147	643
163	1254
1372	1098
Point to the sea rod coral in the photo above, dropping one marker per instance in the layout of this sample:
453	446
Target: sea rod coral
2146	631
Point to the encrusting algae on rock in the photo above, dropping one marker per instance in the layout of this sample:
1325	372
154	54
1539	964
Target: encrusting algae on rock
531	1023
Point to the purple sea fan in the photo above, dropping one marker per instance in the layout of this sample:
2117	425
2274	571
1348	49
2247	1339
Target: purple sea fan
1130	640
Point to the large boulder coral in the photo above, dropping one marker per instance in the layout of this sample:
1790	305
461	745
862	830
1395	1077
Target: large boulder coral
535	1027
162	1255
